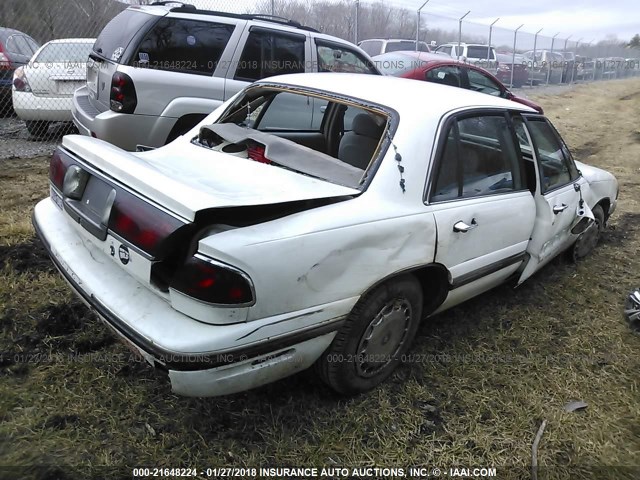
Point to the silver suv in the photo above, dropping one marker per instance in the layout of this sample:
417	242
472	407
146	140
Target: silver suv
156	71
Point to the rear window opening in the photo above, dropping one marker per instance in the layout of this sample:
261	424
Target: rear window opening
336	141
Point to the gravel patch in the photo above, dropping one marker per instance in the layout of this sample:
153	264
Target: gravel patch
17	143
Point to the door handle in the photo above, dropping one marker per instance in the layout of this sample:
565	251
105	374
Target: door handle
559	208
463	227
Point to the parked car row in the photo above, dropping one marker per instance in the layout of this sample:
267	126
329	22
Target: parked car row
448	71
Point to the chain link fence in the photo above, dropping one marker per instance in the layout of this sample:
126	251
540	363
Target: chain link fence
44	47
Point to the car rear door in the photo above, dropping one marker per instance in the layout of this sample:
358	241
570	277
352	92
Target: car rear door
483	209
265	52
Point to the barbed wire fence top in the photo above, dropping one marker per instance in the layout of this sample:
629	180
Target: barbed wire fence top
37	78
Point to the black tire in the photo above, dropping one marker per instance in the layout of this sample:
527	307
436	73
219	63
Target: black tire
37	129
588	240
376	335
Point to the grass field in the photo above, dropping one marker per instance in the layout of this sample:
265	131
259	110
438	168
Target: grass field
485	374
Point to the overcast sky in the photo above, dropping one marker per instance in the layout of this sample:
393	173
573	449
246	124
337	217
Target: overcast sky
589	19
586	19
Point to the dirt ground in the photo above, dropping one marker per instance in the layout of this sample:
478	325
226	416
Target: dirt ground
485	374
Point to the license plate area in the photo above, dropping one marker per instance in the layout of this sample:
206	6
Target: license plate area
67	87
93	69
92	211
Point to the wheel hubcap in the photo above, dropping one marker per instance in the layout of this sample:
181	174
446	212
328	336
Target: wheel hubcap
383	337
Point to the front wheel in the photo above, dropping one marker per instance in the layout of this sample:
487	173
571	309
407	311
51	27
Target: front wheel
376	335
588	239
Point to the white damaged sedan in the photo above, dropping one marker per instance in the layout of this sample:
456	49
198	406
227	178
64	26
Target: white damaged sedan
314	219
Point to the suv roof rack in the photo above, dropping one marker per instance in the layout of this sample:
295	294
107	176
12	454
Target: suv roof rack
188	8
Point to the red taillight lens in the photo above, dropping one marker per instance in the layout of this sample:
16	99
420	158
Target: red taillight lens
20	82
213	282
123	93
256	152
5	61
140	223
58	166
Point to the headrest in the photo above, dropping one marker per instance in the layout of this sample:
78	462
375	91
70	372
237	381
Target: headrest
364	124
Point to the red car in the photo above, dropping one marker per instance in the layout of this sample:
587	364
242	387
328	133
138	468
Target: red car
446	70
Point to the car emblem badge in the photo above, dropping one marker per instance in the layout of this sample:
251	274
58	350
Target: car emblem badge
123	253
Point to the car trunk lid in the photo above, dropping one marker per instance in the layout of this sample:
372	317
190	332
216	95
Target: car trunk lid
203	180
59	79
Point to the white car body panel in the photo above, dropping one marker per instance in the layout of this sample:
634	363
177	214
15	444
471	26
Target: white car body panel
206	181
308	268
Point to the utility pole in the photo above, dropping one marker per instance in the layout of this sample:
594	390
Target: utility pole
418	24
460	33
534	61
553	39
490	32
513	61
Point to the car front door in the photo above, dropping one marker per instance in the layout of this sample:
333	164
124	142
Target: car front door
483	209
558	192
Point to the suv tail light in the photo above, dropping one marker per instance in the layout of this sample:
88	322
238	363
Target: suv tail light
213	282
123	98
20	81
142	224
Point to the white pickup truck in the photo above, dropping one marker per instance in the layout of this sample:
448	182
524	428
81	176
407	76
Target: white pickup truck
251	247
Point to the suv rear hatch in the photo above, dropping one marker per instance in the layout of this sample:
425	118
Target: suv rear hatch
114	46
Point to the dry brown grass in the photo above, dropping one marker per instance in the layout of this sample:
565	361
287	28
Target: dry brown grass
485	374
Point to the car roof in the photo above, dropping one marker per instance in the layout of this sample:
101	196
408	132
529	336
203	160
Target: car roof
399	93
6	32
423	56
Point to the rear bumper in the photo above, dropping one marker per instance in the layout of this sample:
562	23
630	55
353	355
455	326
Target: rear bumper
121	129
31	107
201	359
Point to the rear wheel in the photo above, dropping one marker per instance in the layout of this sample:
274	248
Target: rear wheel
588	239
377	333
37	129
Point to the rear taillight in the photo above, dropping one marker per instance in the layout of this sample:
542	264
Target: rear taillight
213	282
20	82
123	93
58	166
141	224
5	61
256	152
